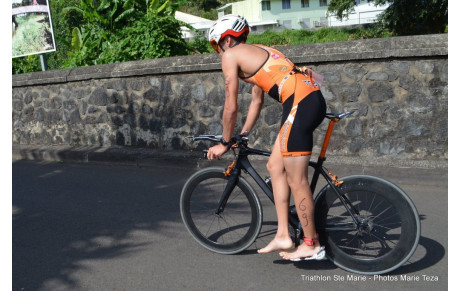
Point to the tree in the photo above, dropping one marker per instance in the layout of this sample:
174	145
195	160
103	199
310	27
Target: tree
125	30
207	5
403	17
203	8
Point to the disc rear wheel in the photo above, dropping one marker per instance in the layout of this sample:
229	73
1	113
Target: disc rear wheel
387	230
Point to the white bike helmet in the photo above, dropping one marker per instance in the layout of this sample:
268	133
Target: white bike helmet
230	24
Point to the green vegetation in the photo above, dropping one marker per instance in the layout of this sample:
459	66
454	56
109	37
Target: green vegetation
204	8
293	37
91	32
30	35
124	30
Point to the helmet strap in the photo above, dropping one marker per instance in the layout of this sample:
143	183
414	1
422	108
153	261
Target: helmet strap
237	42
221	47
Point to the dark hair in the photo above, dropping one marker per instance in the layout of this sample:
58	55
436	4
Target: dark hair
241	38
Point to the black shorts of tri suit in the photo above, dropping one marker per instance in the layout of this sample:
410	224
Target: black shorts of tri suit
298	123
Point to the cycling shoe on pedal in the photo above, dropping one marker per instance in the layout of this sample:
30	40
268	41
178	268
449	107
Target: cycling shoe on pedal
319	256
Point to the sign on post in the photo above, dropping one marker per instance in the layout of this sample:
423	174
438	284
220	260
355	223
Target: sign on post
31	28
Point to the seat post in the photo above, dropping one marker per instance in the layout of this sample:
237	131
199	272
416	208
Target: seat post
330	128
322	156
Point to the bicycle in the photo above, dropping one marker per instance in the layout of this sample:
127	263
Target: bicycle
368	225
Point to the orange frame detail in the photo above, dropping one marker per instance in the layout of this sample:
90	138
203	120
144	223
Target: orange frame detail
328	137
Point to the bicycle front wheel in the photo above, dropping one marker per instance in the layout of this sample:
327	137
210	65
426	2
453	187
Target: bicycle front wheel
230	231
387	230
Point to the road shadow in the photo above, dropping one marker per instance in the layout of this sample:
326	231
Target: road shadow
65	215
434	253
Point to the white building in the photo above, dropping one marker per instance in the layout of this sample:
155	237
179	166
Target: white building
363	13
283	14
199	23
297	14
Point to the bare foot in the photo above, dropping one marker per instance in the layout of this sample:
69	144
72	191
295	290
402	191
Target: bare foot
302	251
277	244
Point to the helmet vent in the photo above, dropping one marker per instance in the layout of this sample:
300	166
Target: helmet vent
238	26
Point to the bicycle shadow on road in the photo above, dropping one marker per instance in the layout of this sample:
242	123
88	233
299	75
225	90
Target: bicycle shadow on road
308	265
428	253
434	253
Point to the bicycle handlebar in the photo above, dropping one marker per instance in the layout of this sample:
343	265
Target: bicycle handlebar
209	137
240	139
236	139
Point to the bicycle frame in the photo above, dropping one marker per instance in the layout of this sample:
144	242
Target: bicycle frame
378	238
242	163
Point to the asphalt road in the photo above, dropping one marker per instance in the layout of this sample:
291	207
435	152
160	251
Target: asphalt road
118	227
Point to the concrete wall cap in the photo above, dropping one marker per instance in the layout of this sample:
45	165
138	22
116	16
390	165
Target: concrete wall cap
366	49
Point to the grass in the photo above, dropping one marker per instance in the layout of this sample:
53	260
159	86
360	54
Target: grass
29	36
328	34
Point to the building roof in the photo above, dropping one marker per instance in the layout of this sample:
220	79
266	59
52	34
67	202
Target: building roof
195	21
265	22
225	6
189	18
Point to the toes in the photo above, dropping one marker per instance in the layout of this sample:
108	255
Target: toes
274	246
285	255
267	249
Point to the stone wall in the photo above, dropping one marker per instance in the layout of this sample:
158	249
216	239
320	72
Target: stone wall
397	85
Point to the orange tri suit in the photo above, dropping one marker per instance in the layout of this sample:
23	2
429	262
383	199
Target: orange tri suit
304	107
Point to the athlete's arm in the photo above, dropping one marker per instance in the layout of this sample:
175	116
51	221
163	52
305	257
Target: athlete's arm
230	71
254	108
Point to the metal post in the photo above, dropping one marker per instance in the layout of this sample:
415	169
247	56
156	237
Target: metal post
43	62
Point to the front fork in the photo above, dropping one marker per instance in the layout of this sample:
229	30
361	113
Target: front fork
234	174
